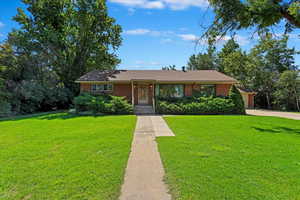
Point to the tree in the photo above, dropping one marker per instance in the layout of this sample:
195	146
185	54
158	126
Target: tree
237	99
204	61
267	60
236	65
72	37
5	106
170	67
230	47
233	15
287	96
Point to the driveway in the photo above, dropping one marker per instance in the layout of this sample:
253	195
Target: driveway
288	115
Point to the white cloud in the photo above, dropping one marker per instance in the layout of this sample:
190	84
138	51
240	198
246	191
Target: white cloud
184	4
140	3
189	37
142	31
166	40
169	36
154	5
290	35
131	11
137	32
160	4
242	40
1	24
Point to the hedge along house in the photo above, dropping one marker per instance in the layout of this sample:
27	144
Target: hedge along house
140	87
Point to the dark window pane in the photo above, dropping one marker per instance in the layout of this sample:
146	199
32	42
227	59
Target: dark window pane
171	91
101	87
204	90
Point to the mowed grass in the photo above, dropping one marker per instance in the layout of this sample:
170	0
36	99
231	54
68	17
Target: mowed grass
232	157
60	156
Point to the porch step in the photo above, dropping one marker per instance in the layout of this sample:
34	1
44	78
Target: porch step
143	110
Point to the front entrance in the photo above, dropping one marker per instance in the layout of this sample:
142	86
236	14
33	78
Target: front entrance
143	94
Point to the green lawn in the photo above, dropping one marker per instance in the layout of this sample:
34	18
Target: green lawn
59	156
232	157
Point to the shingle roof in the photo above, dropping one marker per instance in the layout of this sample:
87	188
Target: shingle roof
245	90
157	75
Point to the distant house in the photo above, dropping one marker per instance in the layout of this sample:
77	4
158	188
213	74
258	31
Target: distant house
141	86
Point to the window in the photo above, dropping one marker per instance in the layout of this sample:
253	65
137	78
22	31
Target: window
170	91
204	90
101	87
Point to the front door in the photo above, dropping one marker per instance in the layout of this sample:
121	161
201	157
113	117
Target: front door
143	94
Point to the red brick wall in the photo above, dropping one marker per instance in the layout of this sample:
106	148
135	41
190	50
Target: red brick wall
122	90
85	87
188	90
223	89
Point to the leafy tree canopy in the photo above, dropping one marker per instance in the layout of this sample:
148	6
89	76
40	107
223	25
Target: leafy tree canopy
287	97
204	61
233	15
230	47
72	36
170	67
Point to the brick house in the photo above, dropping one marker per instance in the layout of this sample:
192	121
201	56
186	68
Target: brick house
140	87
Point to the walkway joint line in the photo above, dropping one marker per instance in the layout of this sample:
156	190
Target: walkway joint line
144	173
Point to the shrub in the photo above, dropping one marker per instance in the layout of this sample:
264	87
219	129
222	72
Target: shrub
102	104
164	107
177	100
120	106
238	101
83	102
5	109
201	105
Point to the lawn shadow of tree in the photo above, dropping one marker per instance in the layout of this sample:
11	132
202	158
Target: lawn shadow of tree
66	116
278	129
49	116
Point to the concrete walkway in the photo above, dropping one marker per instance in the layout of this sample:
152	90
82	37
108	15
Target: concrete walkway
288	115
144	172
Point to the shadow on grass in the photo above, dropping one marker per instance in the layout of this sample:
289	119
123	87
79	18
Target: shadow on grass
279	129
66	116
48	116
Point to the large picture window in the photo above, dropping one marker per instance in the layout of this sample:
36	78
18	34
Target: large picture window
176	91
101	87
204	90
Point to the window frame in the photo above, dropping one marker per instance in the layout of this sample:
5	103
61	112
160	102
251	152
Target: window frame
199	89
158	90
104	87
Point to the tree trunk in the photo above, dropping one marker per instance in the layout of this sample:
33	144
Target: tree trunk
268	101
297	103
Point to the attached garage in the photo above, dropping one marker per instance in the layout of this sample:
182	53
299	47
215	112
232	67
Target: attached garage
248	97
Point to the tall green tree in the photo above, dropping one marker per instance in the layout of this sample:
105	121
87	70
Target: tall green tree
268	59
204	61
233	15
235	64
287	96
72	37
230	46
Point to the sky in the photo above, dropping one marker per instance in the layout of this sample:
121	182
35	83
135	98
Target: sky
156	33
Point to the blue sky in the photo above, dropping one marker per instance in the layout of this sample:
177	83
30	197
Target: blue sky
156	33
